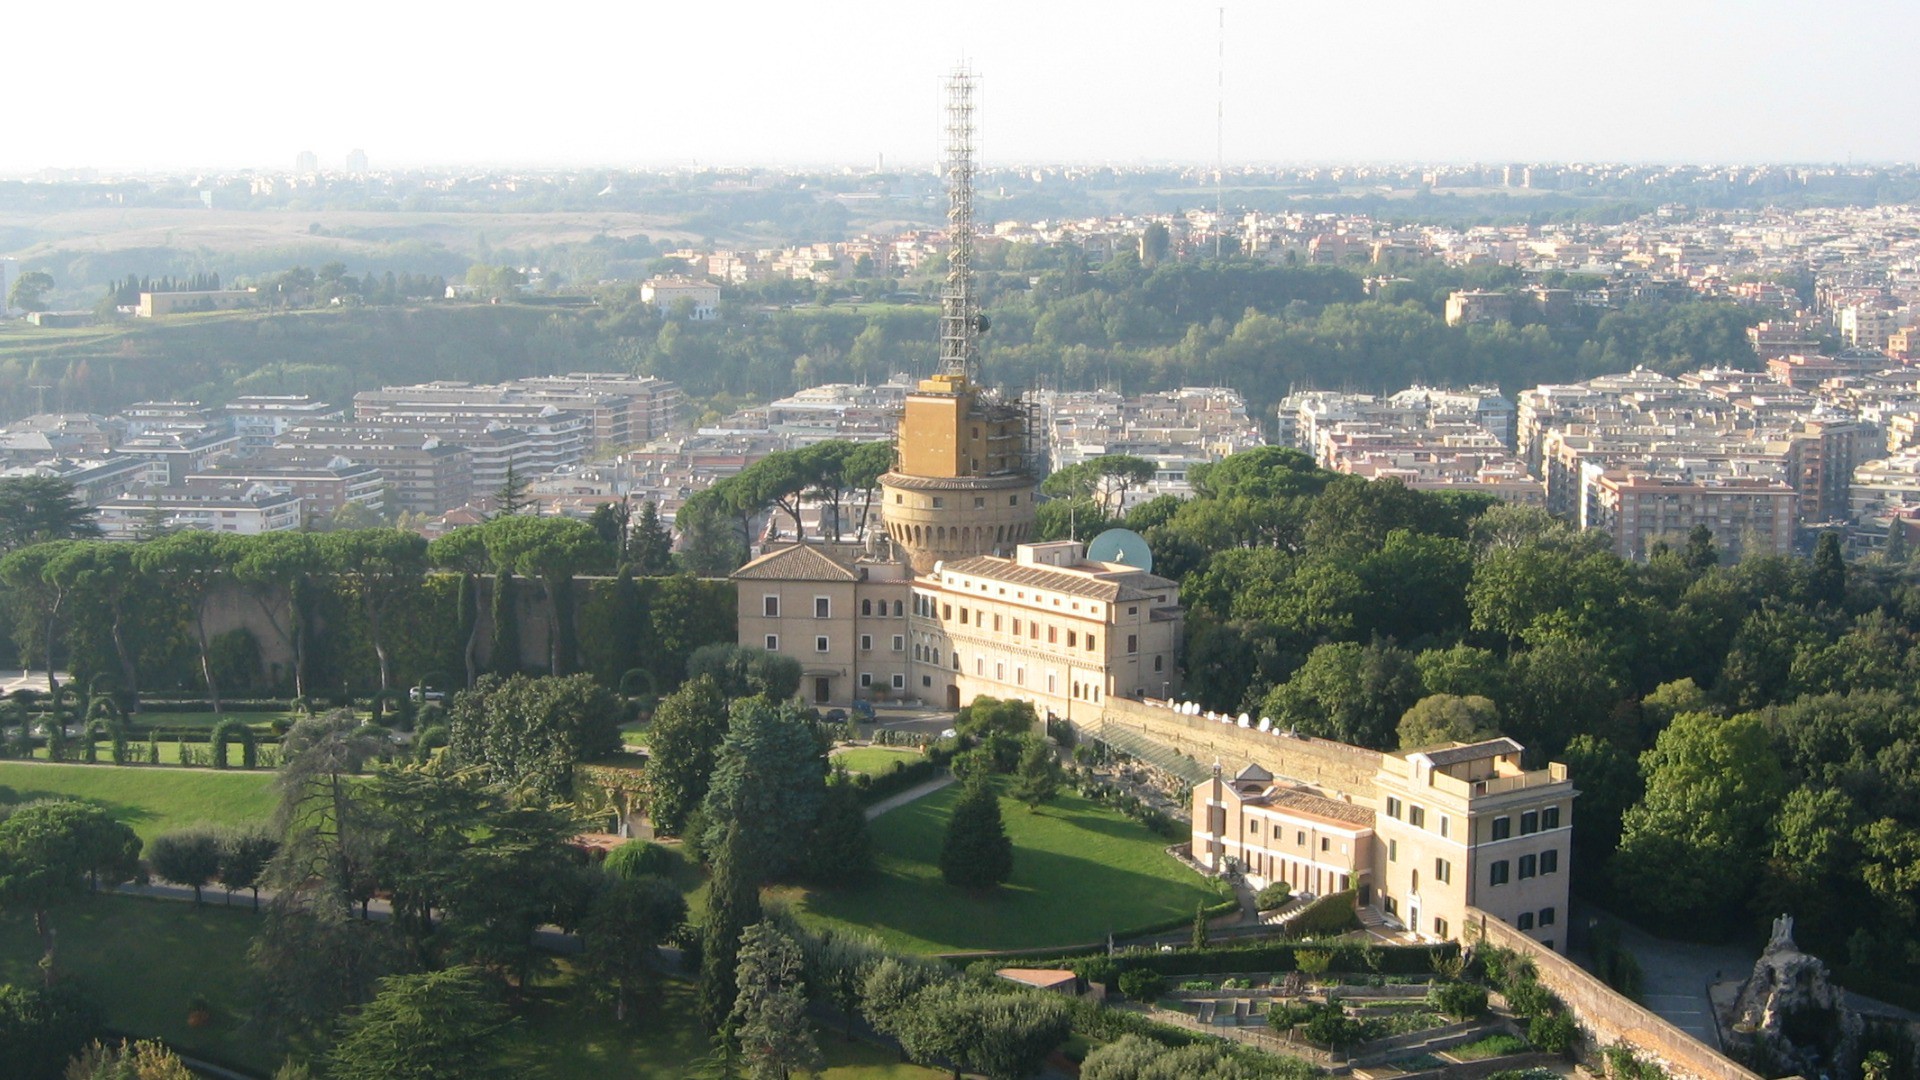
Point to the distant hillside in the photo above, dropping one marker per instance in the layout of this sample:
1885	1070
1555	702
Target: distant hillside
330	354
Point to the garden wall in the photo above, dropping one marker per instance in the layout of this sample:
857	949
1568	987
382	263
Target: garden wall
1320	762
1605	1017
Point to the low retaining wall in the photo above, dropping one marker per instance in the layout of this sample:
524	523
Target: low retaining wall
1606	1017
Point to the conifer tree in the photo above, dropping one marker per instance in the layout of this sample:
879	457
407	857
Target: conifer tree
976	853
505	657
732	906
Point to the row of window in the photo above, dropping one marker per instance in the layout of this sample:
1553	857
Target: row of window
823	607
1547	862
1299	836
939	502
821	643
1547	918
1531	821
899	681
1416	815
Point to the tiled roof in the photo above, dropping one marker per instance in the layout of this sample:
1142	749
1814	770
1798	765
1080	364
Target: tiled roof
799	562
1308	803
1110	587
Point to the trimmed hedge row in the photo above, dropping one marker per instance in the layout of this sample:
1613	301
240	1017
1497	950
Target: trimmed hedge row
901	777
1258	957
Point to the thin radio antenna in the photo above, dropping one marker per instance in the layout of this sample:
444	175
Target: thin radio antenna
1219	131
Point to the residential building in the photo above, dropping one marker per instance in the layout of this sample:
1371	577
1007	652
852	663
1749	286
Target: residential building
325	487
1468	306
666	294
241	508
155	305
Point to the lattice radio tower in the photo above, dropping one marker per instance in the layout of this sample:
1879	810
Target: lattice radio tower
959	312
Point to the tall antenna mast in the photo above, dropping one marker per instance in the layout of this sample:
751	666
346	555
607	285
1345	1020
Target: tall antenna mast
1219	131
959	313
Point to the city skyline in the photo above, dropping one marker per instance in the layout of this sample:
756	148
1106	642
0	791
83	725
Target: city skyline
856	83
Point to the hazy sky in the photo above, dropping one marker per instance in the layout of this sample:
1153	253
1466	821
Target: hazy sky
218	83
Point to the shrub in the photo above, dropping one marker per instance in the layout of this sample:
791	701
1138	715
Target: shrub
1328	916
1286	1015
1553	1032
1490	1047
637	859
1463	1000
1097	969
1529	999
1273	896
1199	984
1313	961
1142	984
1331	1025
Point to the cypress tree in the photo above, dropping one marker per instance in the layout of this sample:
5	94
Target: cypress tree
732	906
505	656
976	853
1828	581
629	615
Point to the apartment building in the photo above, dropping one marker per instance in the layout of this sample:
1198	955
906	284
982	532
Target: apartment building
1421	836
240	508
1636	510
324	487
428	476
258	419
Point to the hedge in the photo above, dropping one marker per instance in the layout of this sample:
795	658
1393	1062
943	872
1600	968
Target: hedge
1329	916
1230	959
902	776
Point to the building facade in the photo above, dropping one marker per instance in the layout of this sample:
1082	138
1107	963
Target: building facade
1429	835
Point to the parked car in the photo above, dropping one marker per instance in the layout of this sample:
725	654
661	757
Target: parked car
420	694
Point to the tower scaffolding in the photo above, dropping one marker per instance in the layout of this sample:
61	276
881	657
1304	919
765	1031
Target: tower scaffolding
959	310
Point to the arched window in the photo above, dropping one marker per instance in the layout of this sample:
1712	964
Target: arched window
866	607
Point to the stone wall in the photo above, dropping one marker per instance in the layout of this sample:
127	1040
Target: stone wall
1606	1017
1320	762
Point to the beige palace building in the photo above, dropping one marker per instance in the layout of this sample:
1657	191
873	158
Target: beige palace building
950	602
1442	830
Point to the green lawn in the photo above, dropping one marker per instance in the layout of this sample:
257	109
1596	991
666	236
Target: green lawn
152	800
1080	871
874	760
260	722
147	959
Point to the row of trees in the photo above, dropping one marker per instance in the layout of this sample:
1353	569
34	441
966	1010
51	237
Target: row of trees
360	606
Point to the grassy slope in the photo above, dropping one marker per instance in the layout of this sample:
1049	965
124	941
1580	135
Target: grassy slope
152	800
1079	872
147	959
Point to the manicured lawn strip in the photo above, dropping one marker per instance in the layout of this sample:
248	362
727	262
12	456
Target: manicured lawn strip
260	722
874	760
1080	871
151	800
145	960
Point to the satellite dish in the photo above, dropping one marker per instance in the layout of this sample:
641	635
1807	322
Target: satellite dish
1122	546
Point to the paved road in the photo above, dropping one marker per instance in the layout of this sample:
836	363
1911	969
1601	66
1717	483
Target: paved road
1676	974
11	680
919	791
